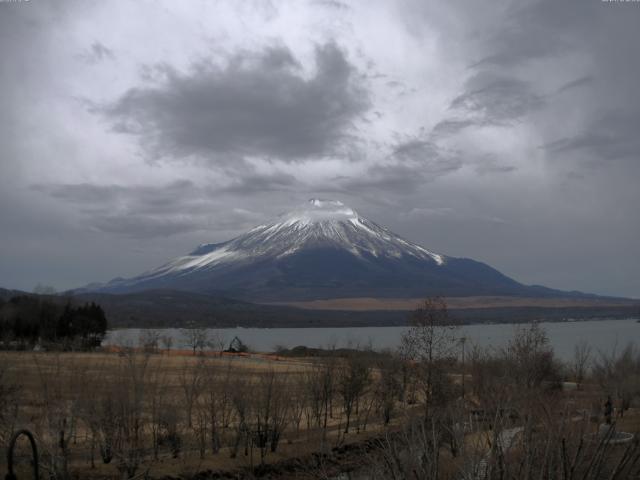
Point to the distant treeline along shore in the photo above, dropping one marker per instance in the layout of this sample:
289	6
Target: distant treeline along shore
27	320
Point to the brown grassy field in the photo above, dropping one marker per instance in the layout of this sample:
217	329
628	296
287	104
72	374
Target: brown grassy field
408	304
135	414
58	393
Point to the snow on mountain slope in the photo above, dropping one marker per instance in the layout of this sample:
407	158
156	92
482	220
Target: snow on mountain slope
319	223
324	249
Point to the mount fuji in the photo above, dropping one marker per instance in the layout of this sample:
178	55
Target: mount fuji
322	250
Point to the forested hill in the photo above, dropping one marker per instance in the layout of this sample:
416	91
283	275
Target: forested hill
178	309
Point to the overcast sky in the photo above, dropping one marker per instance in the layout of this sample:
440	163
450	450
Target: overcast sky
508	132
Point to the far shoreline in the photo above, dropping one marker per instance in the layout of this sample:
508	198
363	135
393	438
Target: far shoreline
406	325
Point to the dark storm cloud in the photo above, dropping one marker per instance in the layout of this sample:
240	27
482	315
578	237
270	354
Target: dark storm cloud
82	193
402	179
490	100
612	136
381	178
137	211
422	161
533	30
146	197
143	226
496	93
179	207
96	53
578	82
413	162
252	183
496	100
449	126
488	165
424	157
256	104
415	149
333	4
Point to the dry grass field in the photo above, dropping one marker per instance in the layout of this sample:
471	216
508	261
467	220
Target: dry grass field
163	408
135	413
409	304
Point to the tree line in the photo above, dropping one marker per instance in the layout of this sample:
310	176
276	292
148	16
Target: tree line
26	321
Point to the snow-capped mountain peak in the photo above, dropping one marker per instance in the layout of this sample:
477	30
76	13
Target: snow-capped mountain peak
317	224
330	223
322	249
317	210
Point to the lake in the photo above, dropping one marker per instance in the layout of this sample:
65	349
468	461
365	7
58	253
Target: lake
602	335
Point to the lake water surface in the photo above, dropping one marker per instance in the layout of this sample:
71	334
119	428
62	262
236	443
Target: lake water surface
602	335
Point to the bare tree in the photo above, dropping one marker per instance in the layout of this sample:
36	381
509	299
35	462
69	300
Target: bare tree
580	362
149	340
412	453
216	401
217	342
354	376
60	396
270	409
388	387
90	411
489	370
299	401
531	359
157	404
169	419
321	388
619	375
225	398
191	379
430	343
167	342
200	426
240	399
9	405
130	392
195	338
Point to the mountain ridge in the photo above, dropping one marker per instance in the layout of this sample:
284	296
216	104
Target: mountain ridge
323	250
179	309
